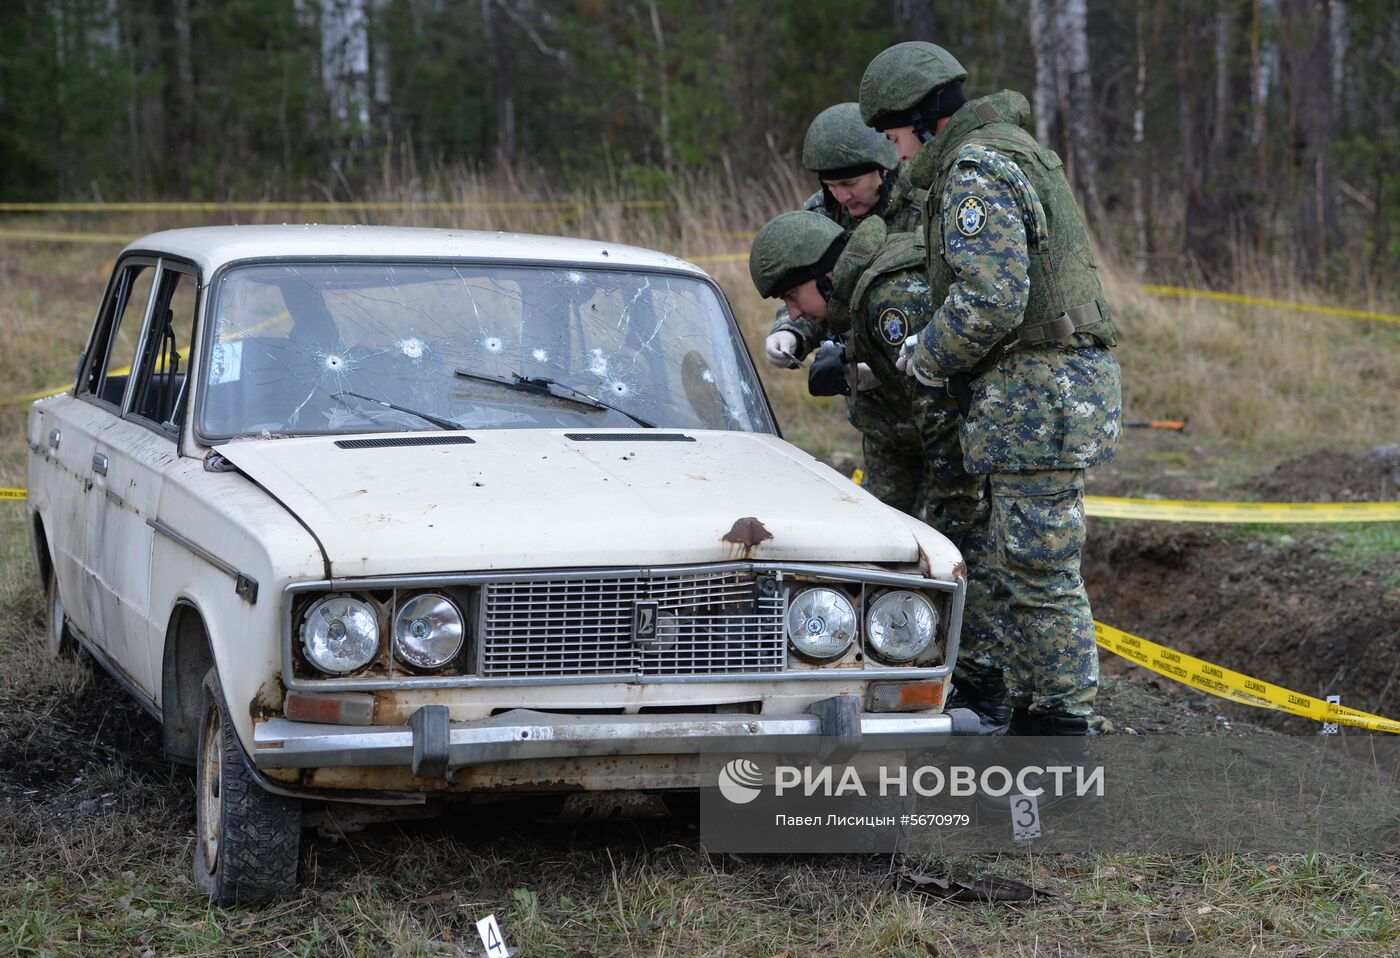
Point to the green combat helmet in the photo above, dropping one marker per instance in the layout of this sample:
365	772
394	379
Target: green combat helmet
791	249
839	145
899	81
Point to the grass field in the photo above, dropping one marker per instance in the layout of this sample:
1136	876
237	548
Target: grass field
96	828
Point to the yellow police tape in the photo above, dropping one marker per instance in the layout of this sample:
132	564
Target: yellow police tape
1189	670
1235	686
38	236
718	258
319	206
1230	513
1185	293
572	208
1177	510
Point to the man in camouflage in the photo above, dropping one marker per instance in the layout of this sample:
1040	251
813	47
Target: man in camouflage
860	176
1021	333
861	179
870	287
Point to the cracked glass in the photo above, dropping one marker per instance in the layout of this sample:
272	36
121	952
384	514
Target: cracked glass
333	348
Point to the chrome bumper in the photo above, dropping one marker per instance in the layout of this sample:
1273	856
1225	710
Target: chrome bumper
433	747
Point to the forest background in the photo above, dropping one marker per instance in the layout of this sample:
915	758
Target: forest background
1207	139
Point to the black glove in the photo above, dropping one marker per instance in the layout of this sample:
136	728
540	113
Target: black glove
827	375
960	388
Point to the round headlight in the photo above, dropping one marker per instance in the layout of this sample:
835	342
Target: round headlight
427	631
821	624
340	634
900	626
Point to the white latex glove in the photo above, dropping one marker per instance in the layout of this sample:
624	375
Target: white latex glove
780	349
905	362
862	378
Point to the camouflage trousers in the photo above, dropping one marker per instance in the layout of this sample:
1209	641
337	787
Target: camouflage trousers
1036	536
915	464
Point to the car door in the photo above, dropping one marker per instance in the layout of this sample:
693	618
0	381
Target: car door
77	437
139	450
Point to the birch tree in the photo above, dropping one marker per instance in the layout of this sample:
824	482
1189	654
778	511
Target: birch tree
1066	119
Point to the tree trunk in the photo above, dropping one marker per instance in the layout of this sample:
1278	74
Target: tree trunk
663	87
345	64
1066	115
1141	155
1310	76
914	20
500	41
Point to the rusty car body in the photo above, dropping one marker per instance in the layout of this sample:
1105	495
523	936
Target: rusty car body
371	517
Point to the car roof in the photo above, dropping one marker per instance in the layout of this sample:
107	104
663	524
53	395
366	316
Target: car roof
211	247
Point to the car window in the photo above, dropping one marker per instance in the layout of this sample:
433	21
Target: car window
310	348
117	332
163	369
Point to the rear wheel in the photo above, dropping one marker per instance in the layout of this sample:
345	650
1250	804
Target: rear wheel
58	638
246	837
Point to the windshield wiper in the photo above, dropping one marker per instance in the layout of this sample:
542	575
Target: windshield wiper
541	386
438	421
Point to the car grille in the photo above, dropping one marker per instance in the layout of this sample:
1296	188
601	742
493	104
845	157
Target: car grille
707	624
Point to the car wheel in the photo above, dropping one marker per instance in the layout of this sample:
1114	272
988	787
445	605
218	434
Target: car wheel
58	638
246	838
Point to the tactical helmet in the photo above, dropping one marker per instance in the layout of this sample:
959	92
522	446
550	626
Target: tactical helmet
901	76
791	249
839	145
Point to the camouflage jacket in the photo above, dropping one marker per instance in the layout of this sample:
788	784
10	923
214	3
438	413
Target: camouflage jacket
993	264
880	297
902	211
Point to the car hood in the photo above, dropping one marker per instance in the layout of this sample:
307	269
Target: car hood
528	499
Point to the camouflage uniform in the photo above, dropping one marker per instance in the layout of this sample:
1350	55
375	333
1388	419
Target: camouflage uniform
902	211
881	295
1025	324
894	471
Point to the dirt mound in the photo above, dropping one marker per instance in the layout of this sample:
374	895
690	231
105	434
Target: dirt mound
82	754
1330	476
1275	607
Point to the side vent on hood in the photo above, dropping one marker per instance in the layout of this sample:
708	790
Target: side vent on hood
403	441
628	437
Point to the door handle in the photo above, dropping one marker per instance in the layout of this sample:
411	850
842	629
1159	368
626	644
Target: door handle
55	437
99	464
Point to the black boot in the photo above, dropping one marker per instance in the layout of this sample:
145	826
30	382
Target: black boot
988	698
1026	722
1065	743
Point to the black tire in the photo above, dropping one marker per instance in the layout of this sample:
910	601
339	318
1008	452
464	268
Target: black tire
58	638
246	838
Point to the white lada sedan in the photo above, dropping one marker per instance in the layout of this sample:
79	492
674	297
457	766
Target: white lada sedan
386	517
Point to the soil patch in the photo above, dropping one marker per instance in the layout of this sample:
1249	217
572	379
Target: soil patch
1277	607
1331	476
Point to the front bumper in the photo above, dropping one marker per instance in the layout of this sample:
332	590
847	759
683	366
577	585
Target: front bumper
433	747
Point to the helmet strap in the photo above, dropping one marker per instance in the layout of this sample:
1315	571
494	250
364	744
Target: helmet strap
886	181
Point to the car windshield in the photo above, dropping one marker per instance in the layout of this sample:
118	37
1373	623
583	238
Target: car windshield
310	348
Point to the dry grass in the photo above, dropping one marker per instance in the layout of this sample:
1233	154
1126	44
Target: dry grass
1272	379
112	879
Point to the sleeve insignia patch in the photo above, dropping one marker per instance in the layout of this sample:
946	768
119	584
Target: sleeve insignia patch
971	215
894	327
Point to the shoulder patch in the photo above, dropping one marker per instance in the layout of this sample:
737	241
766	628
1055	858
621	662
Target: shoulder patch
893	325
970	214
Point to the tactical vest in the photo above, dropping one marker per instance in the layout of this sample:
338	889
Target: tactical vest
873	252
904	207
1066	296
